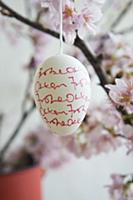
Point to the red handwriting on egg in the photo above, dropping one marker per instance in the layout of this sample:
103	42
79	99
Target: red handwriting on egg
52	71
81	82
58	122
69	110
69	98
64	102
51	85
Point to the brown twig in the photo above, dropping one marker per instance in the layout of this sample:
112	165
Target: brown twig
121	136
5	12
15	132
27	91
94	61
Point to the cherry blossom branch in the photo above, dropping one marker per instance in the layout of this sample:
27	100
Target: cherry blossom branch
91	57
5	12
122	15
95	62
78	42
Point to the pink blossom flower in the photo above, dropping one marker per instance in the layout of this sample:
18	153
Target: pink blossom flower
127	131
122	93
116	189
89	15
81	20
96	134
121	187
117	56
75	21
70	22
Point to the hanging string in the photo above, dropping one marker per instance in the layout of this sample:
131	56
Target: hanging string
61	26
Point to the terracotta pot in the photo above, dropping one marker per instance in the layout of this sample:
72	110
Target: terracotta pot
23	185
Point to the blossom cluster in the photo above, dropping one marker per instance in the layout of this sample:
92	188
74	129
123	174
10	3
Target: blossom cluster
121	187
78	18
117	56
122	93
39	147
96	134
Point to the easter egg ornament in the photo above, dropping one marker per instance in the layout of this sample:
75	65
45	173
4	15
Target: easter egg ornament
62	91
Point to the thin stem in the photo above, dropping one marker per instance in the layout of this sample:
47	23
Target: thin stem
121	136
122	15
94	61
27	91
15	132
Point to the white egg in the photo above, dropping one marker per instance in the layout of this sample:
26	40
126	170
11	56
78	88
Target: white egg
62	93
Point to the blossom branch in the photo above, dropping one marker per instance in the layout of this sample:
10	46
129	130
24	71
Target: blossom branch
78	42
95	62
122	15
5	12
